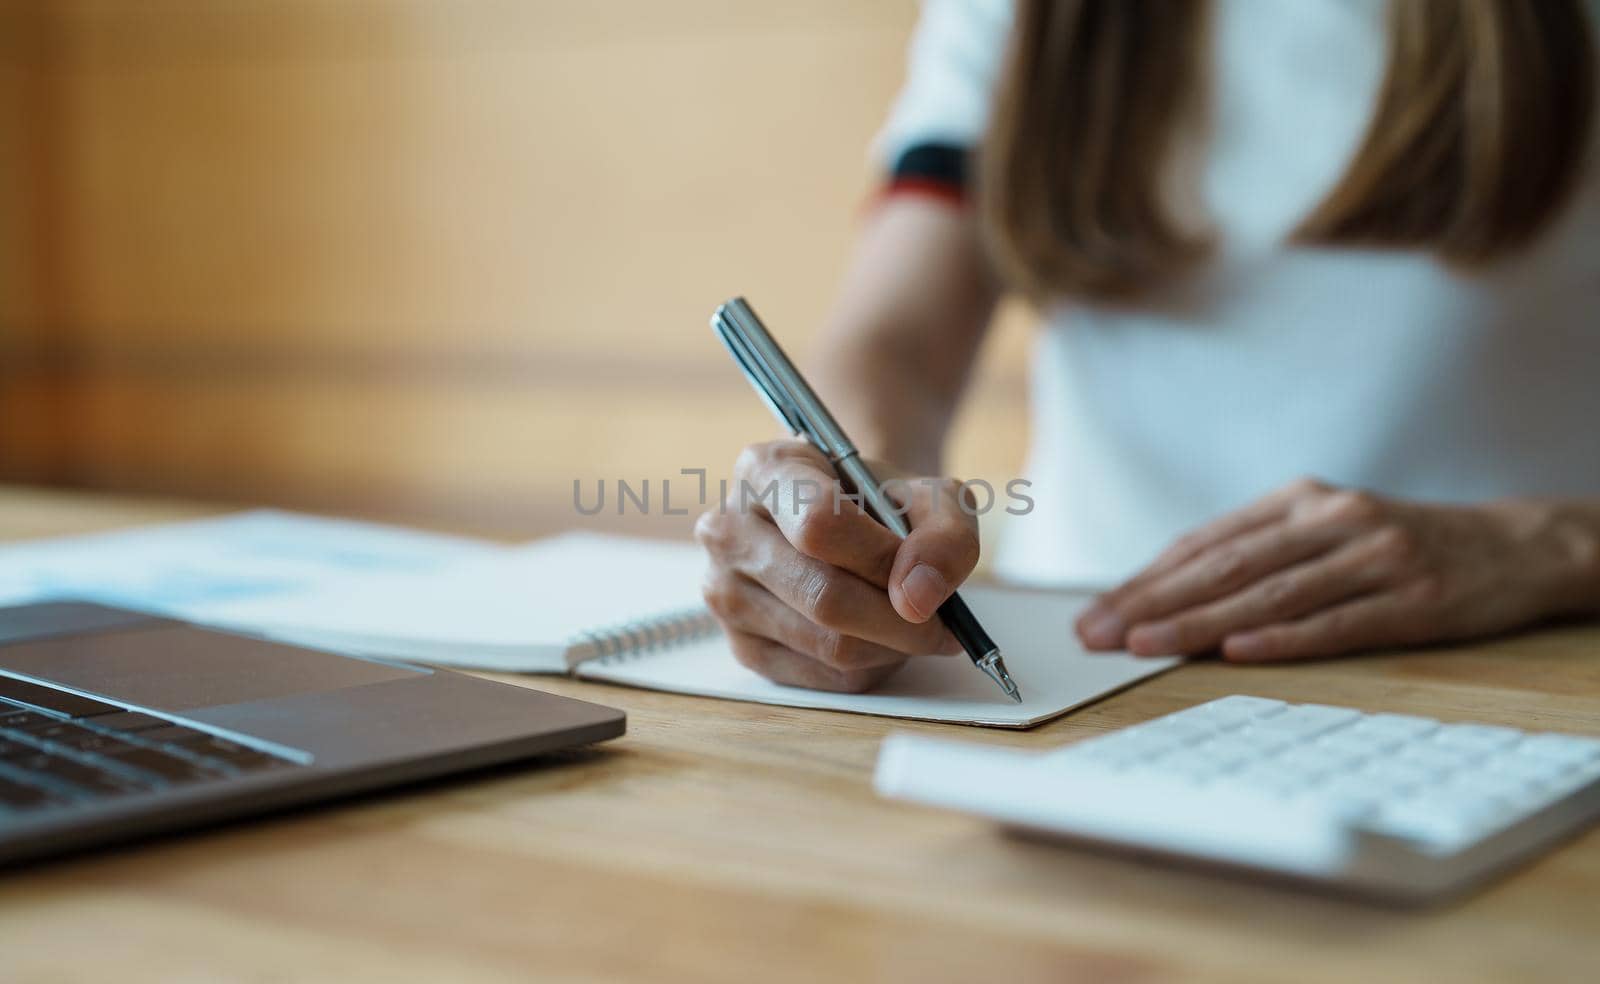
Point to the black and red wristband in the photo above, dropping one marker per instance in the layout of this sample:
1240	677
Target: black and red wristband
931	170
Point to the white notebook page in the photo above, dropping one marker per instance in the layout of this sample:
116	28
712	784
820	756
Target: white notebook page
1032	628
517	610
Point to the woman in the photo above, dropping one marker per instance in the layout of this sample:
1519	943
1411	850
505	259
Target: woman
1332	237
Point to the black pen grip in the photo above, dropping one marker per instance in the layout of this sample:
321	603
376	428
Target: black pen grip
958	618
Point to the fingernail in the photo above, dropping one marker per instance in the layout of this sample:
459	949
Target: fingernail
925	590
1104	630
1244	647
1160	639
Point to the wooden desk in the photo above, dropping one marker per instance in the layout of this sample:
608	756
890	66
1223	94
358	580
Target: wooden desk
734	842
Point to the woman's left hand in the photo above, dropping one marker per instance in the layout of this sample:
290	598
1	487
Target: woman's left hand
1315	570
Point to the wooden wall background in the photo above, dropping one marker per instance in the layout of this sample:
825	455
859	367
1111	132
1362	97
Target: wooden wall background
425	259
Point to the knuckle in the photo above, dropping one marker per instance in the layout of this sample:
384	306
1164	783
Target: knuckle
1230	566
1279	642
1186	635
1307	485
748	655
1130	606
830	649
858	681
1109	600
838	651
1396	544
823	601
1426	592
1335	631
752	458
713	529
818	532
722	596
1279	592
1354	506
1187	543
1343	628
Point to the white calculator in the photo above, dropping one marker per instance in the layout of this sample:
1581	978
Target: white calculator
1385	803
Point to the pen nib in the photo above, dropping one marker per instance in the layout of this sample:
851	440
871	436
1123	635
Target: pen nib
995	669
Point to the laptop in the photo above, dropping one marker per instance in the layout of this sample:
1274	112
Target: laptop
118	724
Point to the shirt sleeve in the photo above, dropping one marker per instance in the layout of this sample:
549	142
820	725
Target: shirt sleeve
943	107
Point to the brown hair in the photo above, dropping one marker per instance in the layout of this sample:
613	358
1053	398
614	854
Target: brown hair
1479	135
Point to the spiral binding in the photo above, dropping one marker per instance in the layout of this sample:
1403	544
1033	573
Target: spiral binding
629	640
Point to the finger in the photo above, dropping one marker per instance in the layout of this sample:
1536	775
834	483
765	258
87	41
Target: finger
782	665
1353	569
1391	618
741	604
835	599
1216	573
793	485
1270	508
939	554
1099	627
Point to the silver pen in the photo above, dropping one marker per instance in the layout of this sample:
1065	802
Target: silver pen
795	404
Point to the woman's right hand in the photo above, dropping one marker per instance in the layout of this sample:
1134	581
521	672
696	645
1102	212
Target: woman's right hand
812	591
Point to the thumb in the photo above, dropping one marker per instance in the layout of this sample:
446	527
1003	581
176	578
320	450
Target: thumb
941	551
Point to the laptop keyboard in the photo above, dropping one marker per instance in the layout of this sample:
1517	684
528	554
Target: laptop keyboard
60	749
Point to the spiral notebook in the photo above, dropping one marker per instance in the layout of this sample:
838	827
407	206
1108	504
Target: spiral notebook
628	611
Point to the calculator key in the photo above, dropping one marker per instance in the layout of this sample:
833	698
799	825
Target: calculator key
1313	761
1117	743
1268	743
1303	721
1468	813
1178	729
1438	824
1475	737
1188	764
1398	726
1436	758
1565	749
1398	774
1346	802
1489	785
1356	745
1272	779
1239	708
1526	767
1108	756
1198	717
1146	743
1228	751
1575	778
